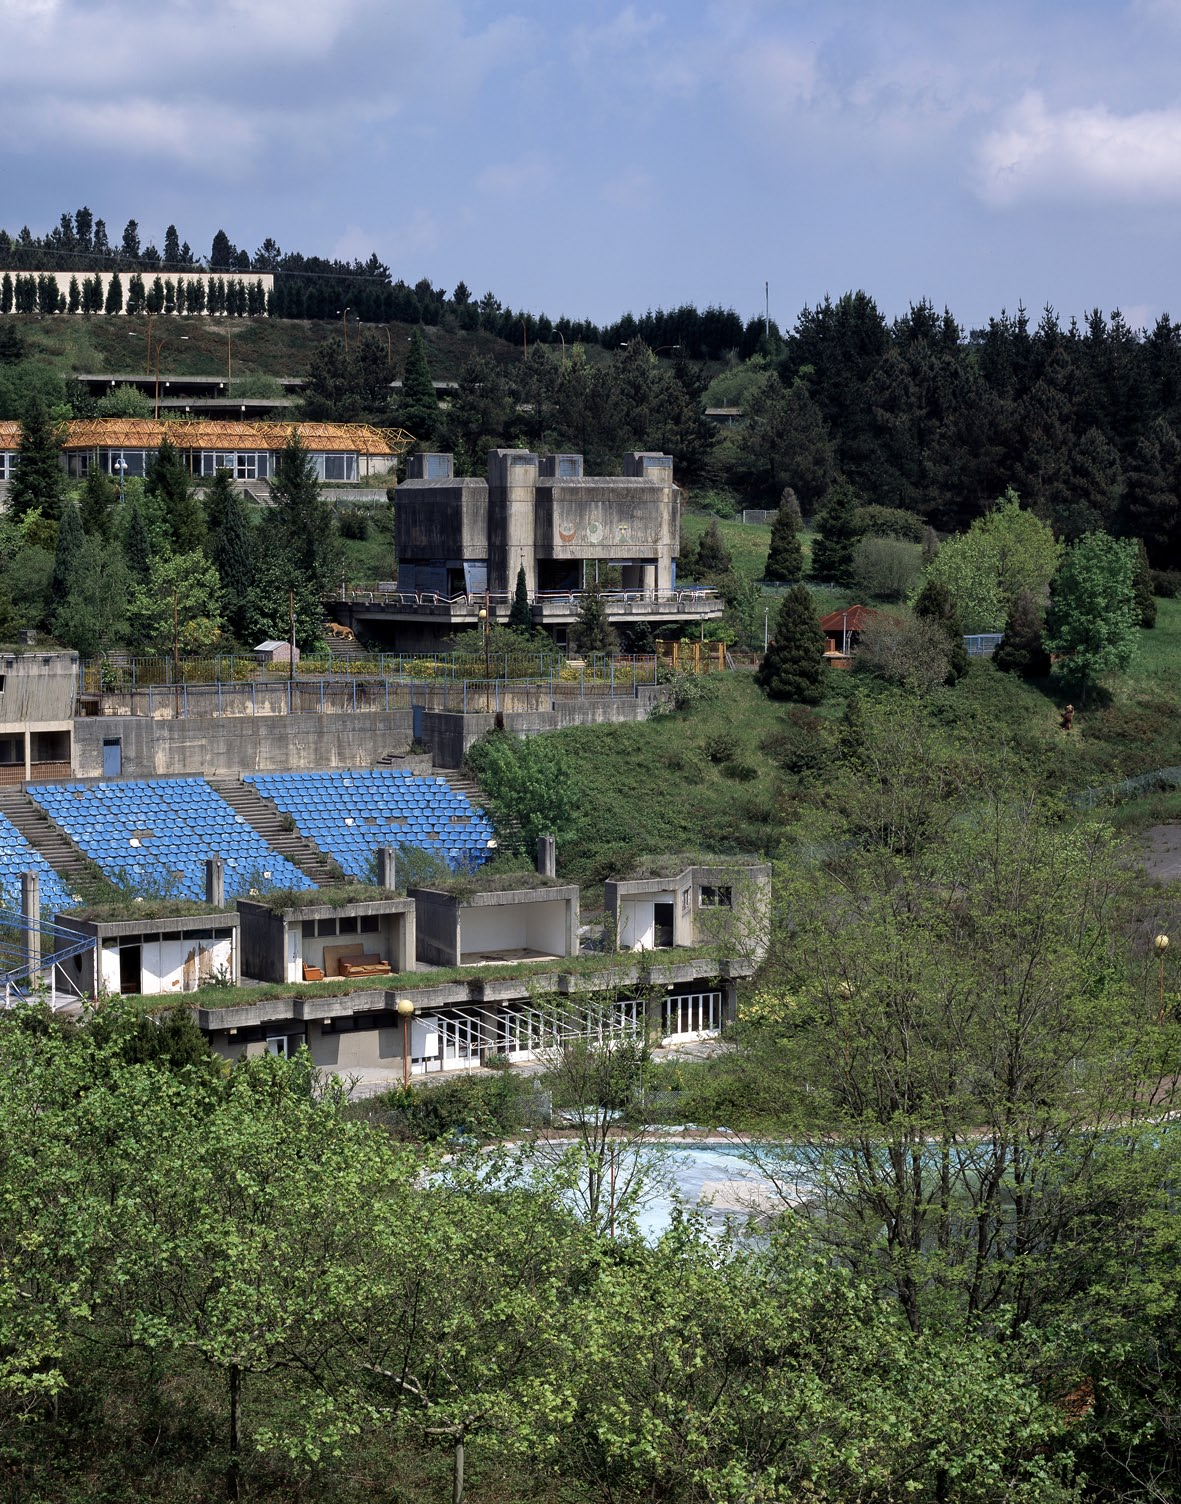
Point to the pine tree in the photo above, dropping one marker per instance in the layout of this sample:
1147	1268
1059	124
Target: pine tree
234	556
930	546
70	538
217	500
836	538
40	480
418	410
114	303
305	526
137	545
935	604
1020	650
713	557
785	557
98	497
520	618
1145	600
169	479
793	667
593	632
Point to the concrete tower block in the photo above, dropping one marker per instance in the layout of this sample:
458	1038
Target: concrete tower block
512	535
387	875
31	910
215	882
547	856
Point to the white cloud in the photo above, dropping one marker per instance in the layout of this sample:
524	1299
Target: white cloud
532	173
1081	154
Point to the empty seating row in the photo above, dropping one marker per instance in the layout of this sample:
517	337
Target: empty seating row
17	856
156	834
350	814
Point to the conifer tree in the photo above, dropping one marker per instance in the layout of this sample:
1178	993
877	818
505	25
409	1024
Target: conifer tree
169	479
234	555
793	667
837	535
520	618
137	544
306	528
713	557
98	497
935	604
785	557
593	632
1020	650
418	410
70	539
40	480
1142	584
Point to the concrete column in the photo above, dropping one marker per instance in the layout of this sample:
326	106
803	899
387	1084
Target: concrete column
387	876
512	498
215	882
31	910
547	856
28	756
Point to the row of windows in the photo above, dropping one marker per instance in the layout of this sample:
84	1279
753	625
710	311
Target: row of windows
242	464
8	463
348	924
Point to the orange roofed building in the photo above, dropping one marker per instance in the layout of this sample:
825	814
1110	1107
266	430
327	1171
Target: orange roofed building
842	630
125	446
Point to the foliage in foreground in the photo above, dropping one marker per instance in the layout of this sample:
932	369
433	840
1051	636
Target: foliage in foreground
225	1284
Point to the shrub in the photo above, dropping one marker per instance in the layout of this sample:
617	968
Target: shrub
886	569
915	653
354	523
889	522
720	746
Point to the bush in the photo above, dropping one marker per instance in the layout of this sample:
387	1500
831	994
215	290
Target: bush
1166	583
915	653
479	1107
889	522
720	746
721	503
797	744
885	569
354	523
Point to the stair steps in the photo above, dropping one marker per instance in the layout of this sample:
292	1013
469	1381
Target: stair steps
67	860
273	826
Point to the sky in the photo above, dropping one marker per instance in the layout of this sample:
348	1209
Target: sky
591	158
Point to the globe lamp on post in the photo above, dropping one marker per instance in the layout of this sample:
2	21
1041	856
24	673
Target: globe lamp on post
405	1008
1161	944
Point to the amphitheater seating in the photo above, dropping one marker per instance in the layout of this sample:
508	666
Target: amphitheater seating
157	834
17	856
350	813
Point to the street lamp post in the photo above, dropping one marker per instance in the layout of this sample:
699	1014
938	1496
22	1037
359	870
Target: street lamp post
484	623
121	466
1160	945
405	1007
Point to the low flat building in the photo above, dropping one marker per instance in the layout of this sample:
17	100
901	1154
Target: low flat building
38	693
154	954
538	922
724	903
312	941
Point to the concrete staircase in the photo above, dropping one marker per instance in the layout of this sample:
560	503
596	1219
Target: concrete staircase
70	864
276	830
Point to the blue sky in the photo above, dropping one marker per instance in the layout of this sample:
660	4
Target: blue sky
589	157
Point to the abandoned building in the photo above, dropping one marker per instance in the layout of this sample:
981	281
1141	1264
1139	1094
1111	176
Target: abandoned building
462	542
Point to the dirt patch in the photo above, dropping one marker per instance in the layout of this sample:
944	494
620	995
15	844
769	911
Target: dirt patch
1161	850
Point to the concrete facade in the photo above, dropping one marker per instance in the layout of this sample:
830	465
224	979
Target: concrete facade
278	945
457	1026
153	956
38	692
542	515
518	924
724	904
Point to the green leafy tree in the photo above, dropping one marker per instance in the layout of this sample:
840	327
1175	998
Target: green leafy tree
1092	623
93	619
1008	551
418	409
180	605
529	788
794	667
936	605
913	652
265	613
40	480
785	557
836	536
885	569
